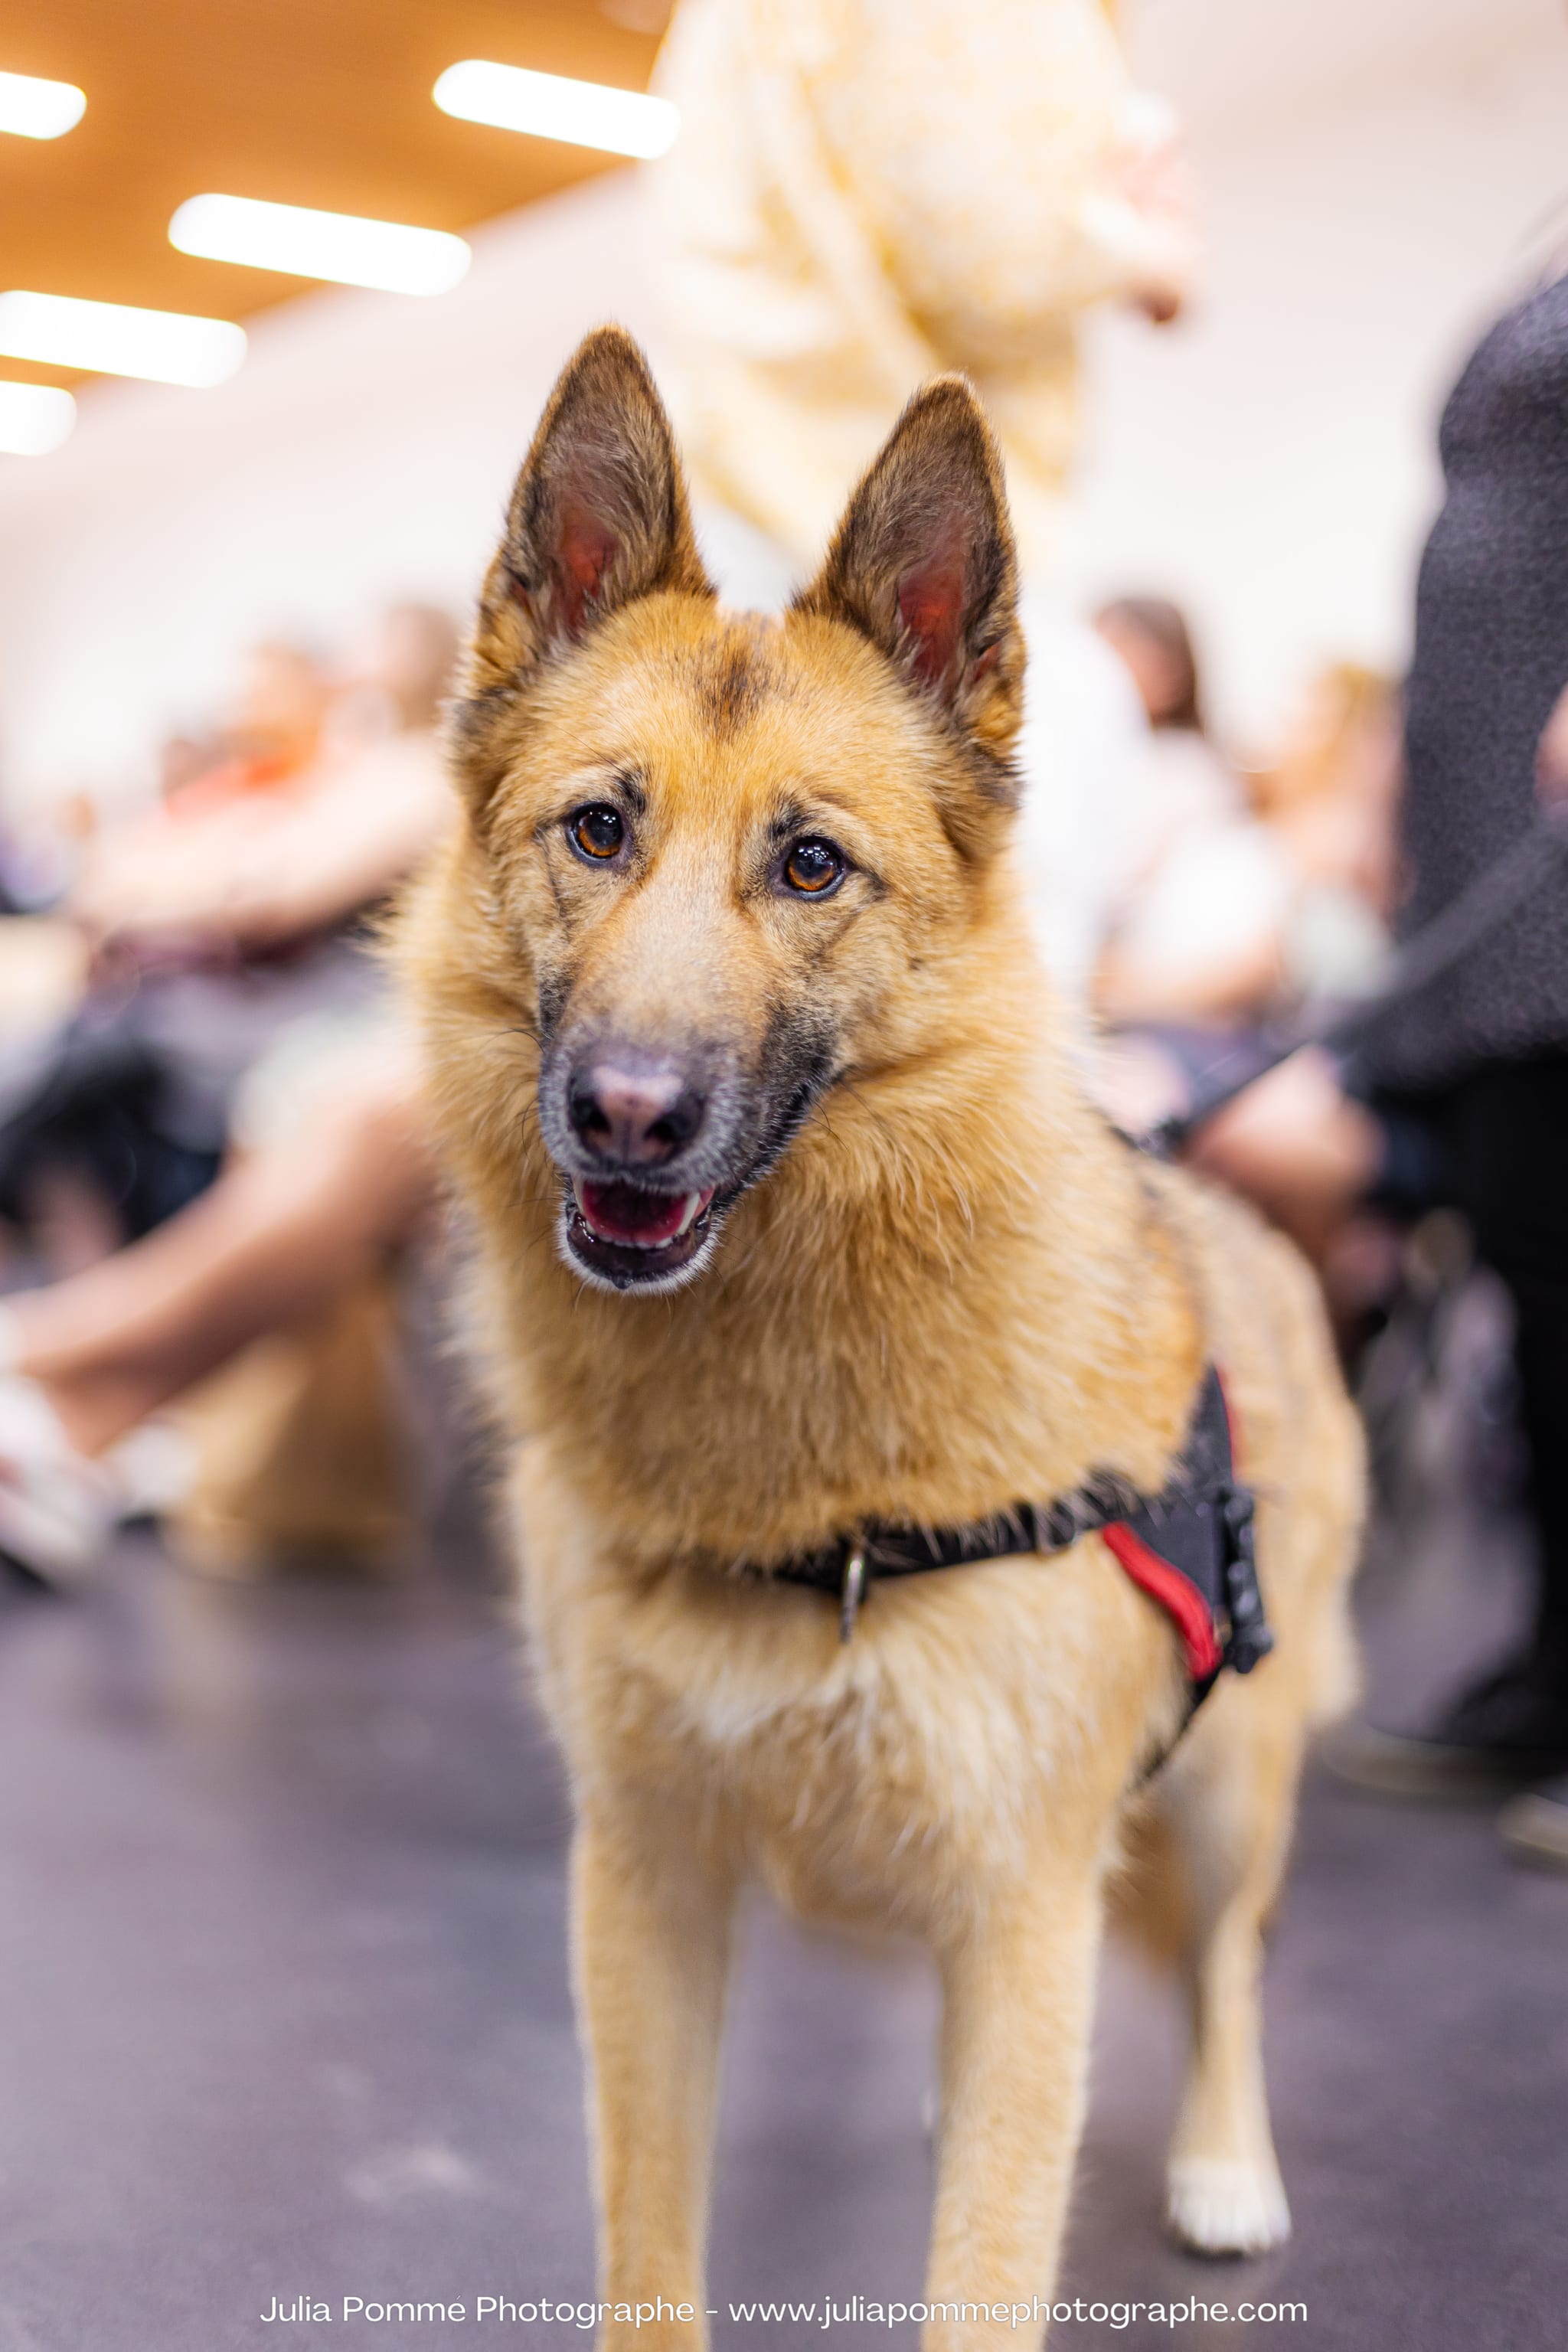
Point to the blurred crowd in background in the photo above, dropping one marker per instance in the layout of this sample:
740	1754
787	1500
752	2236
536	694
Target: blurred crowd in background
194	1004
212	1175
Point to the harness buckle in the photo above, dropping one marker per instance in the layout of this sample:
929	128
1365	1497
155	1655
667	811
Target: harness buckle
852	1592
1250	1638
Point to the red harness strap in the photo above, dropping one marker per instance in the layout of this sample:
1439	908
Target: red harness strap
1177	1595
1190	1547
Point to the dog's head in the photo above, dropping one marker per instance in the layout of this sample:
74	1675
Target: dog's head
732	857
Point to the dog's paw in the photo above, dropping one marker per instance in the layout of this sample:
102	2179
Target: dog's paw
1220	2206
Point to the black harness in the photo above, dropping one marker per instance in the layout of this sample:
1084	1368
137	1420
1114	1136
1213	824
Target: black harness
1189	1546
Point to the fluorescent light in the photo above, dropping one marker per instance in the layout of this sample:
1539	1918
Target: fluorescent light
320	245
39	110
164	345
549	106
33	418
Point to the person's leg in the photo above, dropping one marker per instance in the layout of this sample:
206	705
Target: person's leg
1509	1145
1512	1149
275	1238
1504	1137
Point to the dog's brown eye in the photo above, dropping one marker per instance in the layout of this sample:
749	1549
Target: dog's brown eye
814	867
597	832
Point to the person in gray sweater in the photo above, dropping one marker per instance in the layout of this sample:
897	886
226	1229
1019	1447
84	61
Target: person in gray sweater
1478	1060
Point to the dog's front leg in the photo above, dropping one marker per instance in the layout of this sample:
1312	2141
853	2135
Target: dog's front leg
1018	1996
652	1934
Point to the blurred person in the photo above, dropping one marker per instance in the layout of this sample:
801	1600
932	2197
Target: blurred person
1330	797
1195	936
1151	637
1245	896
284	1234
228	919
278	845
868	192
1477	1063
1307	1153
39	852
272	734
216	920
1195	960
1332	790
865	193
1297	1142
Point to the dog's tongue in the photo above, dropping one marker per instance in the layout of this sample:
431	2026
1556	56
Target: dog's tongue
625	1213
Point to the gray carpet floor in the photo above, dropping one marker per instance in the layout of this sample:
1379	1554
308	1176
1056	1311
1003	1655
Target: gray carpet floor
284	2011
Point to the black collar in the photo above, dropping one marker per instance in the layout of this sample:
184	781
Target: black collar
1189	1546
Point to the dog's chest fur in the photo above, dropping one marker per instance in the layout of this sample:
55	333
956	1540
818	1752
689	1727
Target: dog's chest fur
874	1782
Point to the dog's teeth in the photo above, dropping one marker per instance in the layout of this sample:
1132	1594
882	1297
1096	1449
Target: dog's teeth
693	1205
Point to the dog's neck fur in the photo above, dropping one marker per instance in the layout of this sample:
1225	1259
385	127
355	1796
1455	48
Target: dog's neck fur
972	1203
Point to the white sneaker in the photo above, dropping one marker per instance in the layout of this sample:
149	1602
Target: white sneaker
56	1505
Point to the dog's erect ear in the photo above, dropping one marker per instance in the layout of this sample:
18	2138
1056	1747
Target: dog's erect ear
923	563
598	516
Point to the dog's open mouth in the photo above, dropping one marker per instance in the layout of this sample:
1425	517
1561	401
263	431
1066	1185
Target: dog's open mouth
628	1234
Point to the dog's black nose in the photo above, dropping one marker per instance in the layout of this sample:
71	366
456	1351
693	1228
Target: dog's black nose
631	1113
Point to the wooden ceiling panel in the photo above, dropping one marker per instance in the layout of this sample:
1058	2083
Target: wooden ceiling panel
323	102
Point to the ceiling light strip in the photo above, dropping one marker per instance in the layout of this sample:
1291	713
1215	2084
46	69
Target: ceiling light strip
551	106
32	108
114	339
33	418
341	247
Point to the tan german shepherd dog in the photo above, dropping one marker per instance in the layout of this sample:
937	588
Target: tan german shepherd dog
791	1215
